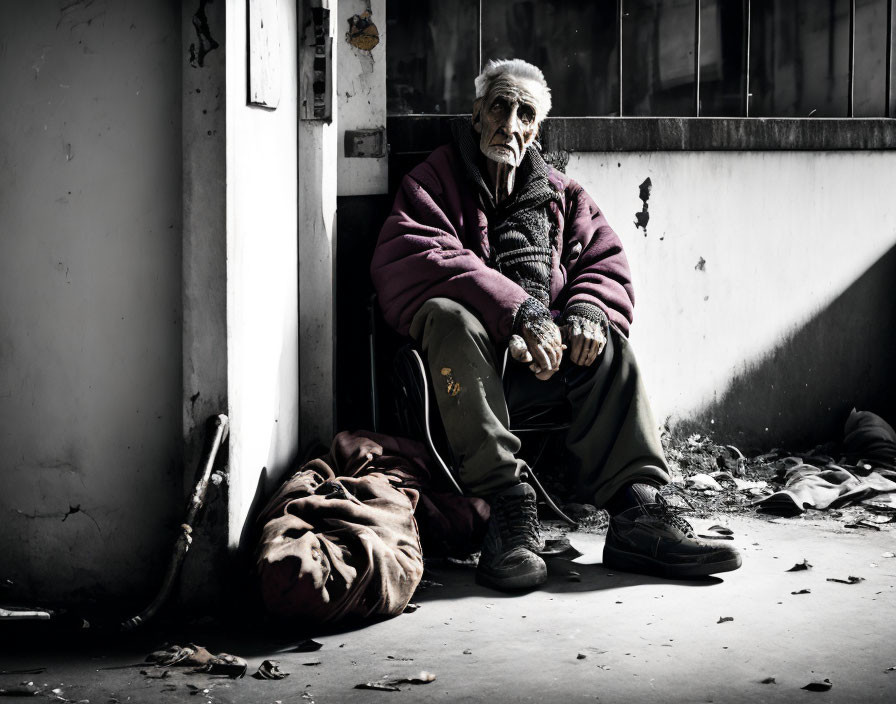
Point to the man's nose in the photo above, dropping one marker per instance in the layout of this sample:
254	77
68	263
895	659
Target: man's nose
512	125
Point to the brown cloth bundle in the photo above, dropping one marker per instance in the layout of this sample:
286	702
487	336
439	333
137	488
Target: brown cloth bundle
340	539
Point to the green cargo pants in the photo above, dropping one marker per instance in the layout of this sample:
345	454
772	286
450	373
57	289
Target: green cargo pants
612	438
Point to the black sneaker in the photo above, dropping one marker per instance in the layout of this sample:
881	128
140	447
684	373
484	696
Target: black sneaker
508	559
652	539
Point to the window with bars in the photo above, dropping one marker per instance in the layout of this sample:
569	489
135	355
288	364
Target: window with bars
651	58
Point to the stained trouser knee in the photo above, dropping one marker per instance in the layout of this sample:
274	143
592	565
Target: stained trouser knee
468	390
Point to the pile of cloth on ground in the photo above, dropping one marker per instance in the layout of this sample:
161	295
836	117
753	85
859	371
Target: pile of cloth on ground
344	537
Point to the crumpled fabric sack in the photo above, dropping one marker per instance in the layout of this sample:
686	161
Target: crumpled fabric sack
867	471
808	486
340	538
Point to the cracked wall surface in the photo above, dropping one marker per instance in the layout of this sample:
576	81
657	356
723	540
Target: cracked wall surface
763	285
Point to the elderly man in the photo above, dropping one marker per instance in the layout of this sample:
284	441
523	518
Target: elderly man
486	247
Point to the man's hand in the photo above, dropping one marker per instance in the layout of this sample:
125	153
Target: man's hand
585	338
539	344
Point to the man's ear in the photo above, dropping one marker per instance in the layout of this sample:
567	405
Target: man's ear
477	109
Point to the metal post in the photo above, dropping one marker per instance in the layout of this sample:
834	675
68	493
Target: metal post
479	57
746	57
619	11
697	58
888	110
850	98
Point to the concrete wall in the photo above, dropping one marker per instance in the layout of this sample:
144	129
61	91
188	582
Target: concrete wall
262	284
764	285
90	295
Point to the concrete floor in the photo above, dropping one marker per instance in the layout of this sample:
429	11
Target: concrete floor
643	640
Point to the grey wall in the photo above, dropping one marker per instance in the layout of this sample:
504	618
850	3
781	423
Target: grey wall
763	283
90	295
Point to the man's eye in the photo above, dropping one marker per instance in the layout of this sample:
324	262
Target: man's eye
499	106
527	114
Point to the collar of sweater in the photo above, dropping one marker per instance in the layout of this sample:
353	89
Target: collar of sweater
532	187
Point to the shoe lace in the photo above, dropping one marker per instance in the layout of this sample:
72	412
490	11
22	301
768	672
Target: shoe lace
671	515
517	518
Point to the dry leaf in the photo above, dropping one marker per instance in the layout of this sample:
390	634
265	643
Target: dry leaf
800	566
308	646
722	619
849	580
381	686
822	686
422	677
802	591
165	674
768	680
231	665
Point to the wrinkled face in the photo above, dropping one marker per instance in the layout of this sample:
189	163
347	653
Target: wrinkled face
507	119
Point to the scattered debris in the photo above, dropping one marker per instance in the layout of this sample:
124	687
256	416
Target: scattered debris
702	482
559	547
722	619
380	686
270	670
862	524
312	663
423	677
22	690
410	608
849	580
888	554
768	680
822	686
200	659
802	591
800	566
230	665
165	674
581	656
468	652
718	533
721	530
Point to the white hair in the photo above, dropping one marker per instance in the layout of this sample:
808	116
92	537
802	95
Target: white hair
516	68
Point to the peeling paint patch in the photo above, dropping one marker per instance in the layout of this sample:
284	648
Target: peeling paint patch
700	265
643	216
362	32
453	388
207	43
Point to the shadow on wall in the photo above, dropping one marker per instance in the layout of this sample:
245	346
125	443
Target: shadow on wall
801	392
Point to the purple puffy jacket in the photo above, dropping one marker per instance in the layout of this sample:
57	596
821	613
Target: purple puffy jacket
435	243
